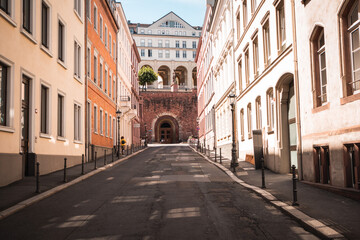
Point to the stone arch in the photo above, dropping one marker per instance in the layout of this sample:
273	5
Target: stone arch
194	76
181	75
147	65
286	124
166	128
165	73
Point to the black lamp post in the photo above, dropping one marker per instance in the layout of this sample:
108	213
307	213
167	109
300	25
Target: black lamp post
234	162
198	133
118	113
145	143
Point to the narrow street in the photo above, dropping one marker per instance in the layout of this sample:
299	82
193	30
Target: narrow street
165	192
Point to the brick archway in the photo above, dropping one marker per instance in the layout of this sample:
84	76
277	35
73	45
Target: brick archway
167	127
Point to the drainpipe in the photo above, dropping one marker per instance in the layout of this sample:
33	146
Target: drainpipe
86	89
296	85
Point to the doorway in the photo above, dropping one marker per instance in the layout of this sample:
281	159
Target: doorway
166	135
25	106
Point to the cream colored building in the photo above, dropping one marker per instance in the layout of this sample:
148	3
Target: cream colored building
168	45
329	77
42	87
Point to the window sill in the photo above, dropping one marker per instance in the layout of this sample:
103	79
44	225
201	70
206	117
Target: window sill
62	64
321	108
78	142
45	135
78	16
8	18
78	79
28	35
95	133
7	129
349	99
62	139
270	131
46	50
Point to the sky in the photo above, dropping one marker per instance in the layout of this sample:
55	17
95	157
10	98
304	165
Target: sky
148	11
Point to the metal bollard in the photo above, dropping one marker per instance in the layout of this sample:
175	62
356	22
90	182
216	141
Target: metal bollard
127	150
215	154
95	160
262	173
294	203
220	157
82	164
65	179
37	177
112	155
105	157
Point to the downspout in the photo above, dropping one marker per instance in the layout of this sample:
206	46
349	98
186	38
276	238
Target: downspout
86	89
296	84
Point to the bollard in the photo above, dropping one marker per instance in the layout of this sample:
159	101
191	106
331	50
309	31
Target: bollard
215	153
294	203
37	177
65	180
105	157
220	157
82	164
127	150
262	173
95	160
112	155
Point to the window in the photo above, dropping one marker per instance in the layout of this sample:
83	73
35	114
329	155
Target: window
106	79
194	54
149	53
44	111
242	124
194	44
114	50
61	42
110	132
95	120
45	17
352	165
142	52
101	27
114	87
77	122
249	121
88	61
238	25
106	36
270	109
106	124
160	43
266	42
77	7
88	9
101	75
160	54
240	74
95	68
61	116
5	6
95	18
142	42
101	121
167	43
184	44
184	54
322	164
110	85
4	100
149	32
110	42
177	53
167	54
256	56
77	60
246	54
142	31
149	43
280	24
318	59
245	14
258	113
253	6
27	23
177	44
354	30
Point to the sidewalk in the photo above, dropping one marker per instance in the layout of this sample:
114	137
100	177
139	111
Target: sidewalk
24	189
335	211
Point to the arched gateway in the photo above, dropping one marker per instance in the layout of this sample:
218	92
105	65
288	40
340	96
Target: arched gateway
167	130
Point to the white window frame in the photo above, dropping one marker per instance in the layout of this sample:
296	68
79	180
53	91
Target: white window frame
77	122
101	27
101	121
106	36
62	62
95	117
10	17
77	60
106	72
9	127
78	8
95	18
63	117
48	109
101	73
106	124
88	60
30	35
48	48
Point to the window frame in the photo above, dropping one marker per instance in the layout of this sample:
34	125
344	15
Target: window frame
45	130
9	91
61	56
77	122
46	38
61	118
280	15
77	60
266	42
95	119
249	121
78	8
270	105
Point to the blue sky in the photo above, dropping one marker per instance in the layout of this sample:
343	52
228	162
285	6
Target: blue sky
148	11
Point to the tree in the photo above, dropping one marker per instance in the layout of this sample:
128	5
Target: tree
147	76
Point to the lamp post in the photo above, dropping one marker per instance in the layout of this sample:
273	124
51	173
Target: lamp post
118	113
198	133
234	162
145	143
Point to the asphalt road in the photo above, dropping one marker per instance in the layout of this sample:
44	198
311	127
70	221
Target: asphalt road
165	192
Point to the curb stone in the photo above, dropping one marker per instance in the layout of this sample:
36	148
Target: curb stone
309	223
23	204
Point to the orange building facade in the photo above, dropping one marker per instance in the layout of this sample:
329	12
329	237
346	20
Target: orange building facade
101	90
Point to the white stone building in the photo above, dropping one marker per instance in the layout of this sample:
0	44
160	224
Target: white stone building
167	45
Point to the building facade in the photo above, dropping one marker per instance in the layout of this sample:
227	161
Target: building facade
167	46
135	94
42	87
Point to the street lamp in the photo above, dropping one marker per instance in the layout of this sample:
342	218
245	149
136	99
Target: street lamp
234	162
145	143
198	134
118	114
